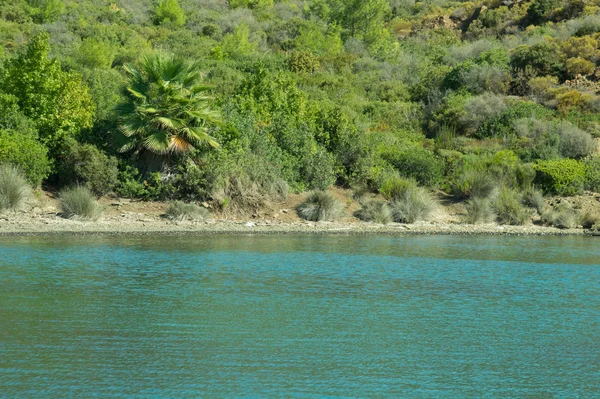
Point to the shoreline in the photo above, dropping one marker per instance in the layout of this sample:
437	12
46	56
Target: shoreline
65	227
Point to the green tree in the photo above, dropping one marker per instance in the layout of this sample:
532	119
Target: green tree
44	11
169	11
58	102
361	18
167	110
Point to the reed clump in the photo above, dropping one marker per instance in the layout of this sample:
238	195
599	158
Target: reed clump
79	203
320	206
179	211
14	189
375	211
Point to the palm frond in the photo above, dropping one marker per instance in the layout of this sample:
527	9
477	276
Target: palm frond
158	141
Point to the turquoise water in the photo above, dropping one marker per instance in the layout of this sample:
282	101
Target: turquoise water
300	317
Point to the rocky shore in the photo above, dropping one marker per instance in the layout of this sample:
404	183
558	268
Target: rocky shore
22	223
41	216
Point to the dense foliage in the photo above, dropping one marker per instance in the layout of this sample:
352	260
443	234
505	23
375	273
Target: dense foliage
238	100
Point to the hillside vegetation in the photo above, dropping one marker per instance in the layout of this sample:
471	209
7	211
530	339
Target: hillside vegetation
240	102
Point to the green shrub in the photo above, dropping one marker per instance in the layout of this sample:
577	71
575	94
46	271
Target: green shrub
375	211
318	170
480	109
509	209
545	57
474	183
592	173
560	176
14	189
319	206
479	210
179	211
579	66
169	11
574	142
301	61
413	205
395	186
153	187
420	164
538	11
84	164
79	203
502	125
27	153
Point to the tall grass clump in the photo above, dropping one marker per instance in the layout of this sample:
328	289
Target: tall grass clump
480	210
180	211
319	206
413	205
79	203
375	211
562	216
589	219
535	199
474	183
14	189
509	208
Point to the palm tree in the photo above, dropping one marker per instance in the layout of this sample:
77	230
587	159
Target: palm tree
167	110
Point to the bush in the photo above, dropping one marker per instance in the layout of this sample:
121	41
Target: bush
395	186
536	139
535	199
560	176
479	210
562	217
84	164
318	170
574	142
179	211
592	173
509	209
481	108
413	205
419	164
486	78
27	153
474	183
153	187
545	58
79	203
589	219
542	87
301	61
169	11
503	124
319	206
14	189
539	10
375	211
579	66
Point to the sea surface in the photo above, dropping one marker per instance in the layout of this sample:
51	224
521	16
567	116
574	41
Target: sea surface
299	317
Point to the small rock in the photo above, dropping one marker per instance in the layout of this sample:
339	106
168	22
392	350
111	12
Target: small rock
249	224
284	210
